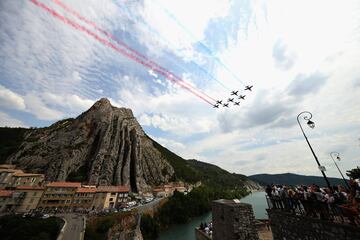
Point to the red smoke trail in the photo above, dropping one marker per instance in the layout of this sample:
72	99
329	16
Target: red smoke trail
123	44
109	44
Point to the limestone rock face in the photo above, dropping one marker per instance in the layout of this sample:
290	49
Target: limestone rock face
106	141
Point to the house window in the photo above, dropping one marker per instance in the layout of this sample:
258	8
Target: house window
111	199
34	194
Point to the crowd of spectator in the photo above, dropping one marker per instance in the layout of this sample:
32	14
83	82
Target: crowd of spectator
335	203
206	228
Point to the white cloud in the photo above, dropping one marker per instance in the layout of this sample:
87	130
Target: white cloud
10	99
176	124
39	109
59	72
8	121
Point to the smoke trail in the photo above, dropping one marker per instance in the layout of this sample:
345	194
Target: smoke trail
208	50
109	44
123	44
151	29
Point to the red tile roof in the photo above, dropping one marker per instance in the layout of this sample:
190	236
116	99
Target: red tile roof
29	188
28	175
85	190
64	184
6	193
158	190
112	189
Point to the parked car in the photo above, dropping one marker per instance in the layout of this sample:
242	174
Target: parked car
45	216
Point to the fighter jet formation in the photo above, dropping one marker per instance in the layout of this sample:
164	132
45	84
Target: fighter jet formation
219	103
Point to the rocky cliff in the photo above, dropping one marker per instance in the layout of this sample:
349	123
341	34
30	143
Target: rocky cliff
105	142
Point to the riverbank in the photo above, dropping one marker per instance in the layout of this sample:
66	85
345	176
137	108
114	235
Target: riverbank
182	209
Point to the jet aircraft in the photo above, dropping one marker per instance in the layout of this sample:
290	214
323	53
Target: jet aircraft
225	105
242	97
219	101
237	103
248	87
216	106
231	100
234	93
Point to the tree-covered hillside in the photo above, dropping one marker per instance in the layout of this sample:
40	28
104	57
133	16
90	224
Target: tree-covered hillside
293	179
193	170
10	140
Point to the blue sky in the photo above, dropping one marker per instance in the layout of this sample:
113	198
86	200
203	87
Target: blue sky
299	55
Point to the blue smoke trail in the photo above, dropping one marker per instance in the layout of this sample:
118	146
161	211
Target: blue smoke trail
152	30
207	49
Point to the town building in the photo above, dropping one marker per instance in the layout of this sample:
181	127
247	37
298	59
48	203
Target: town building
159	192
6	176
26	179
6	200
109	197
58	196
30	198
83	198
169	190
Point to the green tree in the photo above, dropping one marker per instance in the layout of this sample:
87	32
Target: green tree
354	173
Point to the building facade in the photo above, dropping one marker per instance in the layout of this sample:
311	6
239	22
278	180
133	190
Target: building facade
6	177
26	179
83	198
110	197
58	196
31	196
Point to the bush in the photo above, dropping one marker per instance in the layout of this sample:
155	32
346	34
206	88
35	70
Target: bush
19	228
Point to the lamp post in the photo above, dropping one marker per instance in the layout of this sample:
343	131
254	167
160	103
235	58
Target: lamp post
337	156
311	124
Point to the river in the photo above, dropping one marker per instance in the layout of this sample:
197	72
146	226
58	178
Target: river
186	231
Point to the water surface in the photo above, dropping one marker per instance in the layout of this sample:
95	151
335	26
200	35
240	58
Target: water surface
186	231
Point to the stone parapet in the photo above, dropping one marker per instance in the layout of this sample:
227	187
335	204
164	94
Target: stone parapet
233	220
289	226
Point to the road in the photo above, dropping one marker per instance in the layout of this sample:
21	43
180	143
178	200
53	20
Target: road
74	229
149	206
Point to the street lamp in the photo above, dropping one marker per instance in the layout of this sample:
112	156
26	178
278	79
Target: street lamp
337	156
311	124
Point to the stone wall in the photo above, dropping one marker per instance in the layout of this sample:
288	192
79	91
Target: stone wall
285	225
233	220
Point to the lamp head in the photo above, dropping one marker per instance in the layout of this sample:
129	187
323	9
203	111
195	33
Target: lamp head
311	124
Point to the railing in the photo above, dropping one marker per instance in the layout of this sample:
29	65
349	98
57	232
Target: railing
345	213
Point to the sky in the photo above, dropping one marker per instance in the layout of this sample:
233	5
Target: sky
299	56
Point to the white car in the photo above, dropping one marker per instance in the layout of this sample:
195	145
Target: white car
45	216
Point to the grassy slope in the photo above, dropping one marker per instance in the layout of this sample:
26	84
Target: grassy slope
193	170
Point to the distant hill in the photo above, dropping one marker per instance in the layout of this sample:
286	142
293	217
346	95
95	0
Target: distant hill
193	170
293	179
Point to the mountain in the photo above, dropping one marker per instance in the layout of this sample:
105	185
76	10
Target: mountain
106	145
293	179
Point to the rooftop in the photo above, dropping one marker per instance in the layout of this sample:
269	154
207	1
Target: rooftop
11	170
6	193
28	175
29	188
7	166
64	184
85	190
119	188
